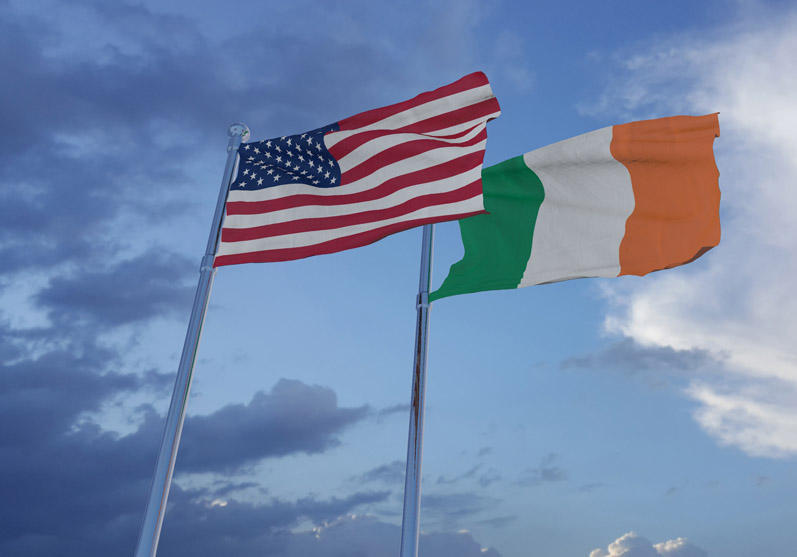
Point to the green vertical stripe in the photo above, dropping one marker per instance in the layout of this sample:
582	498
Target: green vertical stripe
498	244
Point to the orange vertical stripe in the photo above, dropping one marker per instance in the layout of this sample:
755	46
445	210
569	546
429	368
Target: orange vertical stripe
676	191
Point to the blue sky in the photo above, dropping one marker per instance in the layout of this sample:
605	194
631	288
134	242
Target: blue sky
635	416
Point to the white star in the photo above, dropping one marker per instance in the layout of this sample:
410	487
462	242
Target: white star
331	162
304	172
277	148
301	158
315	181
268	155
257	151
246	147
326	174
289	154
318	146
279	159
276	177
270	171
333	179
260	181
296	167
311	164
310	140
253	176
268	143
288	142
246	172
251	158
298	147
243	184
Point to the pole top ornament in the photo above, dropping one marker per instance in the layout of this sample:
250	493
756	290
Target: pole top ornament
238	128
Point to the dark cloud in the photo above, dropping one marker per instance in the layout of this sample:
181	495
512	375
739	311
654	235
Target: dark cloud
471	472
451	507
390	473
106	128
383	413
43	396
152	284
82	490
238	528
631	357
547	472
292	418
484	451
223	488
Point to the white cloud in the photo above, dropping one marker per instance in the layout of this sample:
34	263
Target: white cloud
364	535
737	303
632	545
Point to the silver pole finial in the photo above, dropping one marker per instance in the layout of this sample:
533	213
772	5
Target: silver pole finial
239	128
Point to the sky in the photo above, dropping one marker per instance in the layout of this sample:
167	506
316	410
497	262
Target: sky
635	417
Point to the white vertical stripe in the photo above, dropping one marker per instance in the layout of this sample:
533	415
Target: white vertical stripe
581	222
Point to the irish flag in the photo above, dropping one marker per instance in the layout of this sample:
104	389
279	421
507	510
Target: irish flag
623	200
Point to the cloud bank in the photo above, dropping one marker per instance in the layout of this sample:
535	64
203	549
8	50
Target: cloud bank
736	304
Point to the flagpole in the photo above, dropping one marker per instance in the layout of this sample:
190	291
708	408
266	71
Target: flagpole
412	480
162	477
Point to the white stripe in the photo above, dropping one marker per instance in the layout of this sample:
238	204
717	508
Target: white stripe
372	148
301	239
419	113
456	128
451	183
398	168
581	222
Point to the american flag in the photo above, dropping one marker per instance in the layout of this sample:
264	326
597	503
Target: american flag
356	181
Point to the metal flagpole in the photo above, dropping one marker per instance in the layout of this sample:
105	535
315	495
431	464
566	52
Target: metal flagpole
162	477
412	481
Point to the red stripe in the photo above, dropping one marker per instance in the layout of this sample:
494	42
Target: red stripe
332	246
346	146
399	153
459	116
431	174
330	223
471	81
440	122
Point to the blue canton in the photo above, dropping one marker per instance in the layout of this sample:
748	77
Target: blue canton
290	159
